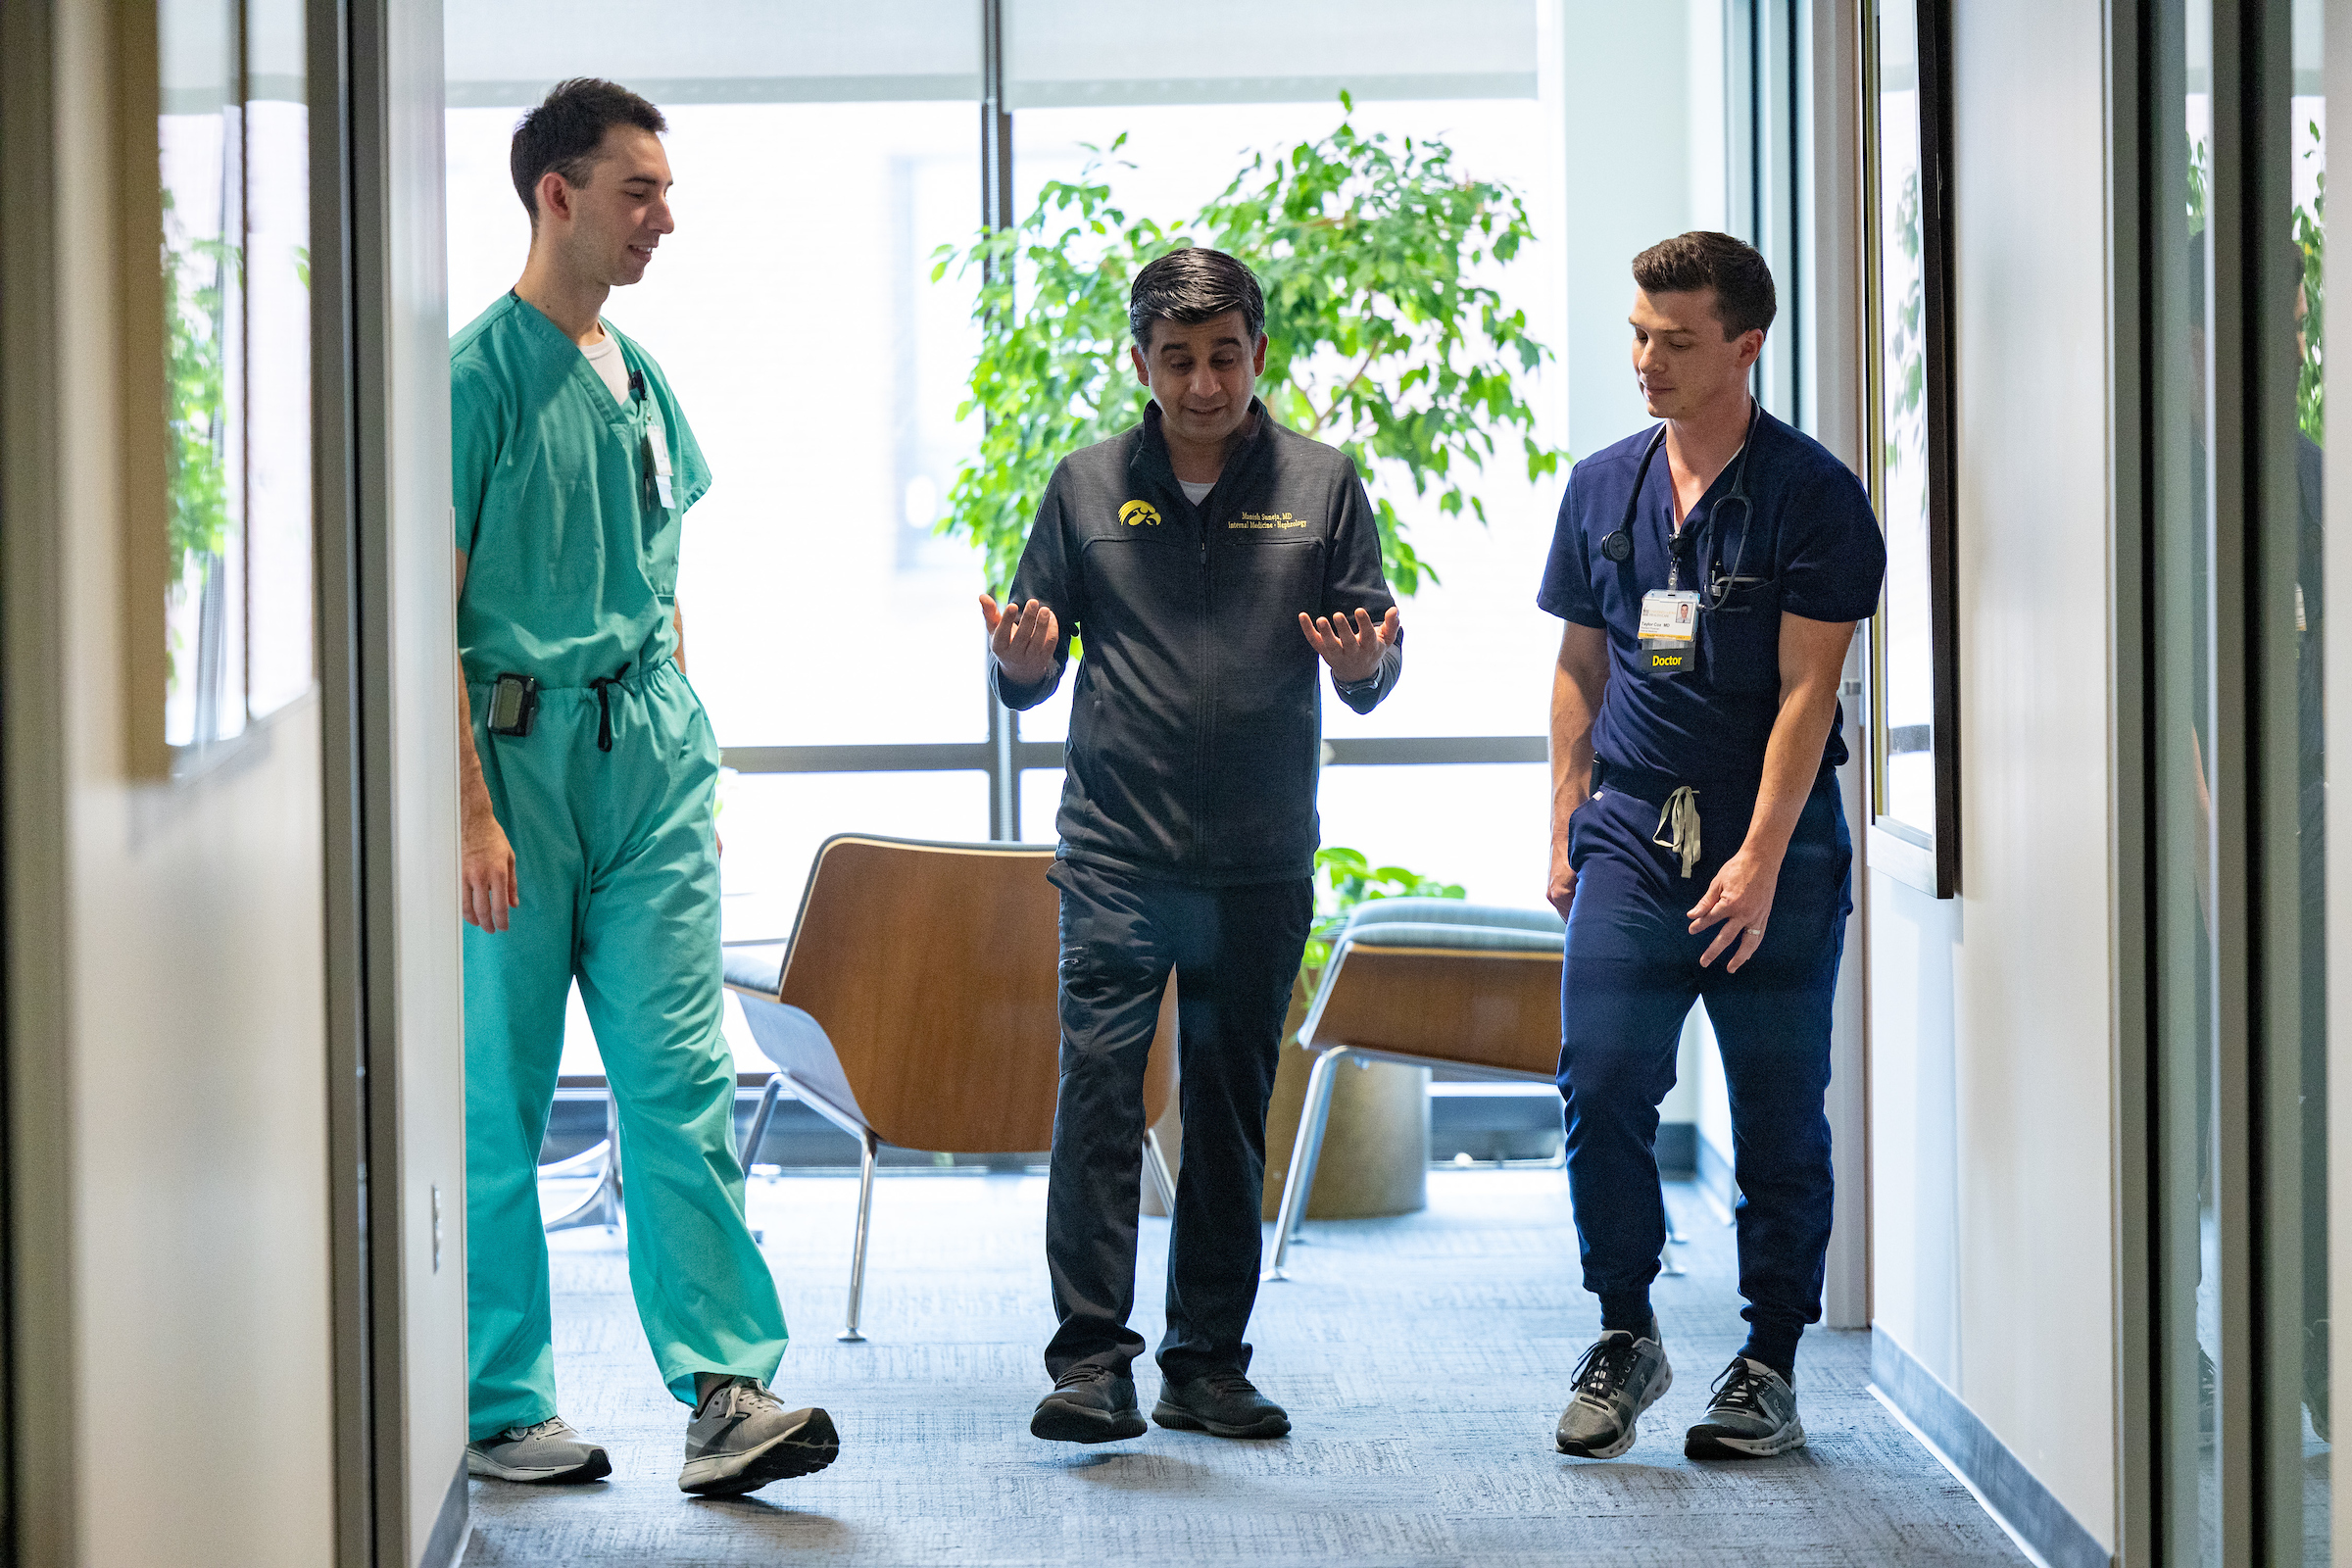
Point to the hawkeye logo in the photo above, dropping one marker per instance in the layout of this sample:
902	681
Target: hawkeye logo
1135	512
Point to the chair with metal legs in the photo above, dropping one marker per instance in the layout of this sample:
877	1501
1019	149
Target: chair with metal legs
602	1205
1431	983
914	1006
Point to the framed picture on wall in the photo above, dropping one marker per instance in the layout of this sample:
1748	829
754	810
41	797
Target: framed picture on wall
216	230
1914	798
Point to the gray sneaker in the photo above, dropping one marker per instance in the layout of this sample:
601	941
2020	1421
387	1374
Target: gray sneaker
549	1453
742	1438
1751	1416
1618	1379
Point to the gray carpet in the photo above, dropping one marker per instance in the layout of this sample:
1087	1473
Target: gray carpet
1424	1361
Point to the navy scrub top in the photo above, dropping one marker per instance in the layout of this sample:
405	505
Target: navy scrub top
1815	543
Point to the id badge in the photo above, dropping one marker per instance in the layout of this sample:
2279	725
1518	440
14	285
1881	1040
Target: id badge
1669	631
656	459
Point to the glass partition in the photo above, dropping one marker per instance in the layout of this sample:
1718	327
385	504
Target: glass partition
2295	785
2189	794
2235	255
233	140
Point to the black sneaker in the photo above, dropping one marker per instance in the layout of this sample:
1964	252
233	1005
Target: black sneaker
741	1437
1751	1416
1223	1404
1618	1379
1090	1403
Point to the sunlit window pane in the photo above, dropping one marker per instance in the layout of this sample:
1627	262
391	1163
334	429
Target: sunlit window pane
821	371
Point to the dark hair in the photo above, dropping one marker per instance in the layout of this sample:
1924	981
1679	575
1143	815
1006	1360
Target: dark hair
1702	259
1193	284
565	131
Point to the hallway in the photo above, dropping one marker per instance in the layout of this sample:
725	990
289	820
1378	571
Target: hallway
1423	1361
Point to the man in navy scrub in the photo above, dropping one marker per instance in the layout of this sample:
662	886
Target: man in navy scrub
1710	572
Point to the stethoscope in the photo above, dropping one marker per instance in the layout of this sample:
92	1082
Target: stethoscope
1618	545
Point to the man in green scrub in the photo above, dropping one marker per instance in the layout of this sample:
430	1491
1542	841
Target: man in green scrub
588	774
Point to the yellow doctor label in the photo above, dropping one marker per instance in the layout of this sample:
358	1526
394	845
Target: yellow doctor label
1138	511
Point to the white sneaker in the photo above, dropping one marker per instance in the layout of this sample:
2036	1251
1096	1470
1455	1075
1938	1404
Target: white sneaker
549	1453
741	1437
1618	1379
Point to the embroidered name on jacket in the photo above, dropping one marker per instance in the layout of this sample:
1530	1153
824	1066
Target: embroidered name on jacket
1267	519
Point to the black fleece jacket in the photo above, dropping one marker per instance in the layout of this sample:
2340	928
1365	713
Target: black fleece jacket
1197	730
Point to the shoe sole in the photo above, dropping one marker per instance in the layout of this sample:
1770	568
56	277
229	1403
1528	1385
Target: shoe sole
1577	1450
1057	1421
802	1451
593	1468
1178	1418
1706	1443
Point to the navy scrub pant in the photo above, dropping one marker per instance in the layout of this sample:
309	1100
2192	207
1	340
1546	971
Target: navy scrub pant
1235	953
1632	972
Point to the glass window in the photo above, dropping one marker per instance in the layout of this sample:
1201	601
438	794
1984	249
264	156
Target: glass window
200	139
2299	1326
772	824
1478	655
1484	825
821	370
233	138
1906	654
2188	810
1064	53
278	511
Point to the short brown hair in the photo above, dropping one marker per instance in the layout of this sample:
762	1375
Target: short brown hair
1702	259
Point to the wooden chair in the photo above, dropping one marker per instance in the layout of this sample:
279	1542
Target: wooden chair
1433	983
914	1006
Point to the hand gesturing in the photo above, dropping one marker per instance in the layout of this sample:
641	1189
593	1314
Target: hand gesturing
1023	637
1352	649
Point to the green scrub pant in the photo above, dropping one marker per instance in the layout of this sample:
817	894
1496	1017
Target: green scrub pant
617	862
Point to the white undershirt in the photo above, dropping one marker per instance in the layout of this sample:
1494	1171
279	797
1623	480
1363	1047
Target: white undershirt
1196	493
603	357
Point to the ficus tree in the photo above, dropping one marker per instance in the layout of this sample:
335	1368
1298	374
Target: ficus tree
1386	341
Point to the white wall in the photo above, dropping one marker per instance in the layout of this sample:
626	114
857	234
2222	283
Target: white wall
1991	1020
179	1350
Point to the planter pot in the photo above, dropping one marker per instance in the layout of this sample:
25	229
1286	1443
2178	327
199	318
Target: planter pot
1375	1146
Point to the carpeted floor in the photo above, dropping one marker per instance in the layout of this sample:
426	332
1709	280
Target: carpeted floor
1424	1361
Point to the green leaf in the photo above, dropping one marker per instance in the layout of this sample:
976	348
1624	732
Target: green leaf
1379	345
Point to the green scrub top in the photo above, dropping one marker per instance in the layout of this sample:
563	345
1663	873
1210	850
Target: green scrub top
572	549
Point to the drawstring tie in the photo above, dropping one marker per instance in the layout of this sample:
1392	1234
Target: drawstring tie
1678	826
602	687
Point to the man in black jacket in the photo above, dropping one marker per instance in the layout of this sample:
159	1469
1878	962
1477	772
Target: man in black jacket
1209	558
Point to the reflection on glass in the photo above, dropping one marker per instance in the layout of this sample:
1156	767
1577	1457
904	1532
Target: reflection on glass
2189	1242
278	521
2306	1335
199	141
1907	677
232	142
